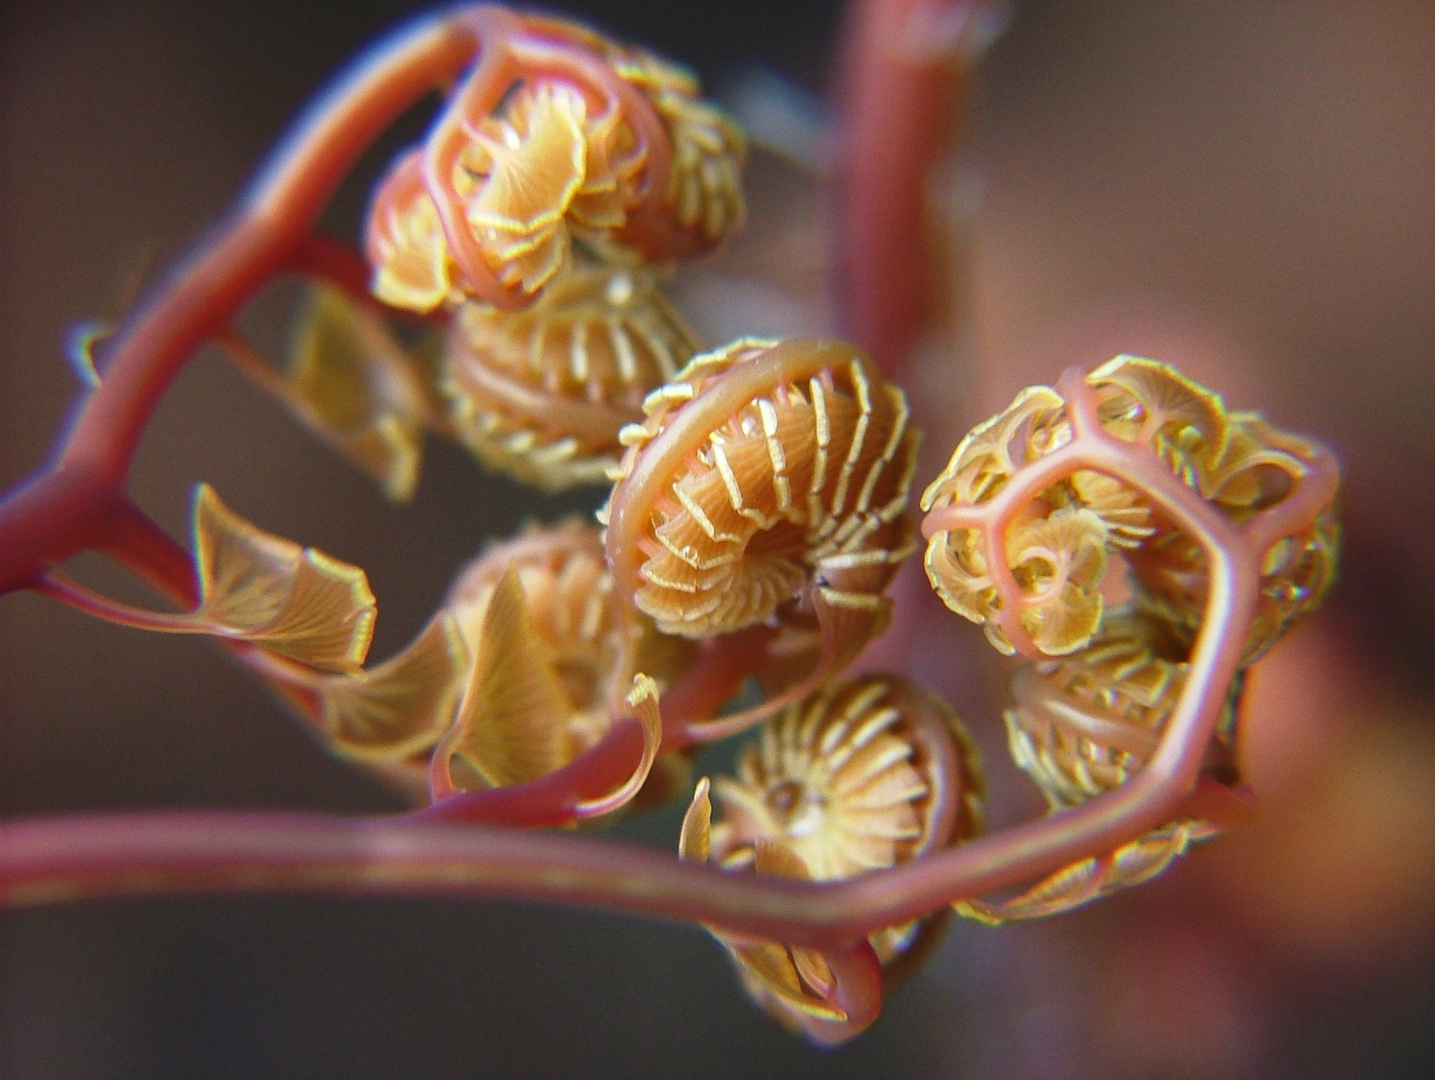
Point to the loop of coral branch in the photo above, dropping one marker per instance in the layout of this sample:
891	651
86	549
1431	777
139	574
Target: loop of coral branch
1020	525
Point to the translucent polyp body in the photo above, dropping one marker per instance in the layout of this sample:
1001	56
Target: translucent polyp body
556	659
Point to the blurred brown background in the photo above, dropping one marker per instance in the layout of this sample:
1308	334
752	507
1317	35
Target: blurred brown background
1247	190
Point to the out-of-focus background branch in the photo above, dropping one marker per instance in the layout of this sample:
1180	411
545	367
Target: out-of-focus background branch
1246	190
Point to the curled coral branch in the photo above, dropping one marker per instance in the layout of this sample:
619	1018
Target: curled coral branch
556	135
905	69
761	508
1026	557
1041	491
767	477
67	509
552	651
69	858
520	690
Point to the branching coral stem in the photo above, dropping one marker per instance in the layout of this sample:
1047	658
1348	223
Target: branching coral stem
69	507
71	858
81	857
134	540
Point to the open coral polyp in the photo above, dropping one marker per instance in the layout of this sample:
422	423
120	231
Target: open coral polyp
863	775
763	471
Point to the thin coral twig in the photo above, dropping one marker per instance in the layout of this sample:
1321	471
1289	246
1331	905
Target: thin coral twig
136	541
71	593
903	75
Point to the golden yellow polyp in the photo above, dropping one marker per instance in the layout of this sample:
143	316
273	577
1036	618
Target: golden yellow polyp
542	393
761	470
570	645
865	774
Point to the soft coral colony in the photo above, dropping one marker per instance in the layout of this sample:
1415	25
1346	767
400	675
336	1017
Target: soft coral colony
758	512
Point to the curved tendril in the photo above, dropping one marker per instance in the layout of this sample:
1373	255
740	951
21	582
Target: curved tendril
649	227
857	993
555	799
832	659
479	95
1298	510
1234	556
714	678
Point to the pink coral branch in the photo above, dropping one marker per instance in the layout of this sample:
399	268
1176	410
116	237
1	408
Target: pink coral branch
74	858
904	68
443	151
136	541
80	503
69	507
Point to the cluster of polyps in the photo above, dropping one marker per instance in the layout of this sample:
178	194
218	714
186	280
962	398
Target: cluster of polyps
758	515
564	178
1133	461
558	139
